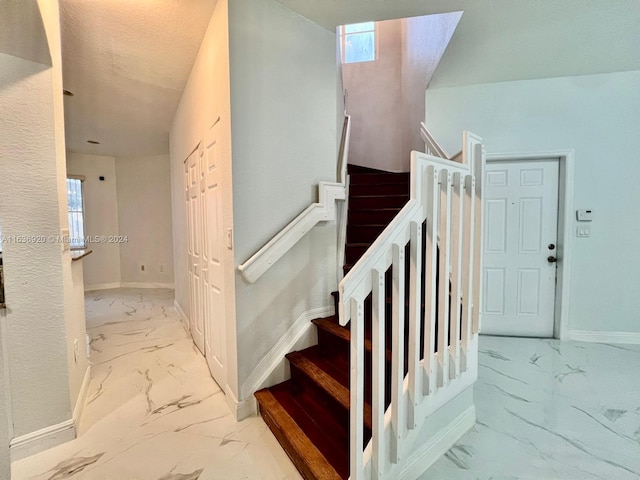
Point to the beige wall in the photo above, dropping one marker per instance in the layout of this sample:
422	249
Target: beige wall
102	267
386	96
374	101
144	218
133	202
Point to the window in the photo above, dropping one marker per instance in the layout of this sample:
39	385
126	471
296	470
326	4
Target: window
76	212
358	42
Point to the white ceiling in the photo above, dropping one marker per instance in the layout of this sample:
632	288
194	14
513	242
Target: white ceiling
500	40
127	62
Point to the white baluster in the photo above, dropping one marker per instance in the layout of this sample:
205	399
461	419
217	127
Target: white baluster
479	162
444	265
378	372
357	390
415	300
398	420
467	268
456	275
431	193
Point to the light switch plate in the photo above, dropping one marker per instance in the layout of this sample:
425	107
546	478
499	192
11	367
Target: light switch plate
583	231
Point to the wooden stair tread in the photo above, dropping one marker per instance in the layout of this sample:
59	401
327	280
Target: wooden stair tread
327	375
328	434
329	325
305	455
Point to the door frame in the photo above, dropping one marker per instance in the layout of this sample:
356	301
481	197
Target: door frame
565	227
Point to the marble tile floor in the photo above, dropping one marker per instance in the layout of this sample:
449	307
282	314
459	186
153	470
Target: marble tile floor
153	411
550	410
546	410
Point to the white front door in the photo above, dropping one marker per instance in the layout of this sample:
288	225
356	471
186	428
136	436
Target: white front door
194	221
520	247
212	257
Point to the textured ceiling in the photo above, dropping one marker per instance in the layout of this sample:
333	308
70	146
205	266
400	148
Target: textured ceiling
500	40
127	62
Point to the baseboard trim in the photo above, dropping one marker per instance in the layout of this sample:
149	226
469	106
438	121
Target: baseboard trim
54	435
274	358
421	460
101	286
240	409
82	397
109	286
43	439
147	285
605	337
183	316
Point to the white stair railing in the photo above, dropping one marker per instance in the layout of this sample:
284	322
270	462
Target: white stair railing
445	206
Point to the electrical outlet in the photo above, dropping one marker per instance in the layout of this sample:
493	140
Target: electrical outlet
161	268
75	350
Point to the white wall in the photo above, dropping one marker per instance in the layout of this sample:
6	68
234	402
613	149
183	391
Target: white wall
598	116
205	98
283	100
41	322
102	267
144	216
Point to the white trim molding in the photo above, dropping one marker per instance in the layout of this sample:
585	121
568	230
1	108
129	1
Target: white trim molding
629	338
170	286
180	311
43	439
272	368
565	228
240	409
430	453
101	286
54	435
82	397
110	286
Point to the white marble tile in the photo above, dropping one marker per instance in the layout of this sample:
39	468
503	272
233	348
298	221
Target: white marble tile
153	411
546	410
551	410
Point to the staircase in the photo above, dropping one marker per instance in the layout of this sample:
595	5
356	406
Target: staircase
403	342
309	414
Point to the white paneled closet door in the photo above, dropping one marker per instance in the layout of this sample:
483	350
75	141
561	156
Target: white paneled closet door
212	257
194	248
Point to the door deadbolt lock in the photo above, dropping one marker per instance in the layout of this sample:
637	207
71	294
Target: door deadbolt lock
551	246
551	259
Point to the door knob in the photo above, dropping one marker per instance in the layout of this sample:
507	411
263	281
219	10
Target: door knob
551	259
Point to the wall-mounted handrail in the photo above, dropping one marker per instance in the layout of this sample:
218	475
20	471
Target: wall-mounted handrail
322	211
